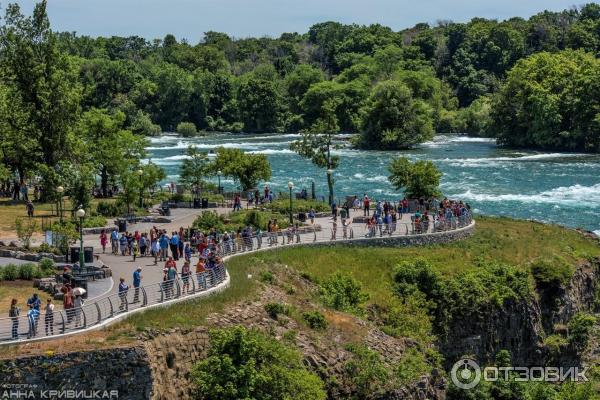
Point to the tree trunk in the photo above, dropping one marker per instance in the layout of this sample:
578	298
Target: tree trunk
104	181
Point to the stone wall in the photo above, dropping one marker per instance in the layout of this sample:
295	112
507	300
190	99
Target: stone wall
34	257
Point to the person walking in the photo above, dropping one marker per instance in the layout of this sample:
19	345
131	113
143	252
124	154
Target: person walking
164	246
114	241
366	205
123	289
137	283
185	276
103	240
175	246
49	317
32	317
77	307
156	251
14	313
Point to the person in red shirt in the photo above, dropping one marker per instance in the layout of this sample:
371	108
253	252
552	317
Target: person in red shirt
171	263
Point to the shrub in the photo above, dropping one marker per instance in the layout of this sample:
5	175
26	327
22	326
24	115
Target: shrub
256	219
283	206
25	228
94	221
315	320
274	309
10	272
548	272
27	271
580	327
246	364
412	366
343	292
208	220
367	372
46	265
109	209
266	277
417	274
187	129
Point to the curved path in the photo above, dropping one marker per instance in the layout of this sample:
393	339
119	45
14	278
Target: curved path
110	308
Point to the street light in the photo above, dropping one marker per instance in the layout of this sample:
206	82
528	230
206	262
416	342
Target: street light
140	173
60	191
81	214
219	187
291	186
330	183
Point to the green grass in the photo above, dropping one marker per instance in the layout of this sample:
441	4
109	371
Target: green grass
496	239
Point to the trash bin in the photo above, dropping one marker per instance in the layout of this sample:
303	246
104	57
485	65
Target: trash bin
302	217
197	203
204	203
122	224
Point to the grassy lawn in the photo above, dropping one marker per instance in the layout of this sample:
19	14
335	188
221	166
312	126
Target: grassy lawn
500	239
20	290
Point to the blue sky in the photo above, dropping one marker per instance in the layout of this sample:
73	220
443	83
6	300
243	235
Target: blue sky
241	18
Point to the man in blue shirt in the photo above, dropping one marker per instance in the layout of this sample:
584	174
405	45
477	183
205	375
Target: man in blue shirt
123	288
34	302
137	282
164	245
175	246
114	241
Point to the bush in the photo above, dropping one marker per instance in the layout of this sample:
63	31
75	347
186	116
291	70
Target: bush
283	206
256	219
208	220
28	271
25	228
109	209
315	320
246	364
343	292
548	272
187	129
274	309
47	266
416	275
94	222
367	372
10	272
580	327
266	277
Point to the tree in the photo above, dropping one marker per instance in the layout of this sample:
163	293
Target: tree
42	90
316	144
418	179
259	105
550	101
195	169
246	364
394	119
247	169
112	149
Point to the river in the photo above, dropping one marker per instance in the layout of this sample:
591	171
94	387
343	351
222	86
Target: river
562	188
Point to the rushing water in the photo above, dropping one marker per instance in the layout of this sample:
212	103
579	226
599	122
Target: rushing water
554	187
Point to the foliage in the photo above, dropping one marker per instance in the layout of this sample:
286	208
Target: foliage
343	292
274	309
580	328
247	169
551	272
10	272
186	129
209	220
25	228
394	119
283	206
247	364
65	233
109	209
368	374
315	320
195	169
418	179
550	101
266	277
412	366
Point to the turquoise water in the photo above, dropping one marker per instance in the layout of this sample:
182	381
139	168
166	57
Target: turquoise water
563	188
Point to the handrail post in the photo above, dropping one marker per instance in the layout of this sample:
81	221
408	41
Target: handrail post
84	317
99	312
62	317
144	297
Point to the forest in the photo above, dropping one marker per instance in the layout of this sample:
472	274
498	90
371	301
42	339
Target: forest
67	99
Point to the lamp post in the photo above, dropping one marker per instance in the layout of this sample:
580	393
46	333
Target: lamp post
219	184
81	214
330	183
291	186
140	173
60	191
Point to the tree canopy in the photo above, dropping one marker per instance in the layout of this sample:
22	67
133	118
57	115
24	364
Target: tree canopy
417	179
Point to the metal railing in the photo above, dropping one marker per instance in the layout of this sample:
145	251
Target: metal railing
97	311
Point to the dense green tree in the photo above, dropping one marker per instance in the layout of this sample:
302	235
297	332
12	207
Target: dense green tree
550	101
195	169
259	104
247	169
417	179
112	149
394	119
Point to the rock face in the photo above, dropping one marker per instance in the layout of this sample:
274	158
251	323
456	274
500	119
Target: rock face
125	370
520	327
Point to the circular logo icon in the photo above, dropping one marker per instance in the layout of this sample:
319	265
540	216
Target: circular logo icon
465	374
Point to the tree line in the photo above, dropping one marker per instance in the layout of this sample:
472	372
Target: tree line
73	100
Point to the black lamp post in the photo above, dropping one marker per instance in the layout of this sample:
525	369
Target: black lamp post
140	173
81	215
60	191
